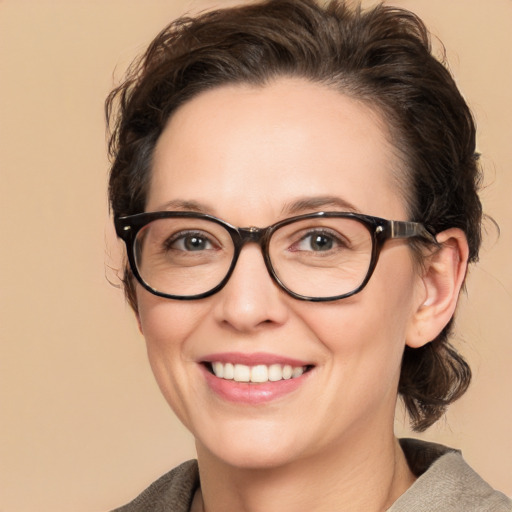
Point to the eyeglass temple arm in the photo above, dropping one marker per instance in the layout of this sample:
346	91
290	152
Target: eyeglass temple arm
405	229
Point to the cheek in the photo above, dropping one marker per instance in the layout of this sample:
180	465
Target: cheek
166	326
366	334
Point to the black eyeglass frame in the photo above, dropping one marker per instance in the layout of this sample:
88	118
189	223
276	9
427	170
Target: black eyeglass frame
381	230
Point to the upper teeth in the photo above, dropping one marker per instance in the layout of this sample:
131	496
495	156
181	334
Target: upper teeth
259	373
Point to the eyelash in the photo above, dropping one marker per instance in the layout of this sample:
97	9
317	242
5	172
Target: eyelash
182	235
322	232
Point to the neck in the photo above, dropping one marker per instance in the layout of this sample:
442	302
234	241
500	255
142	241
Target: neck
366	476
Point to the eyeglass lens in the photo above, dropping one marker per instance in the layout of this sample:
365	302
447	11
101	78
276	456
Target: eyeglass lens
316	257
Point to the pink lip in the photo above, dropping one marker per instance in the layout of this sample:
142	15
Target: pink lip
251	393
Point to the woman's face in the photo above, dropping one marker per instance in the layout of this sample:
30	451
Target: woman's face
253	156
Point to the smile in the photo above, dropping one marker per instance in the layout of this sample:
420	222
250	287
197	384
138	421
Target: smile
254	379
257	374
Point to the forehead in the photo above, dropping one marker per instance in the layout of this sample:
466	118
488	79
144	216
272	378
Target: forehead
257	148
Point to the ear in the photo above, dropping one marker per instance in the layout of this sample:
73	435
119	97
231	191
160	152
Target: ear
440	283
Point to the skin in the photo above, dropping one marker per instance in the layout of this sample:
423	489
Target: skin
245	154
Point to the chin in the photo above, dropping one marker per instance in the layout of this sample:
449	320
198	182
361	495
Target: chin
250	448
253	459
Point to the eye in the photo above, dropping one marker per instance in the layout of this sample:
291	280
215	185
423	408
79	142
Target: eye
189	242
318	241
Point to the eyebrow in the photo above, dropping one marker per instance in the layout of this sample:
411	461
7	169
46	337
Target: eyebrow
301	205
186	205
318	203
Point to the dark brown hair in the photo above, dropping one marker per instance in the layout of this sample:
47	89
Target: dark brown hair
382	57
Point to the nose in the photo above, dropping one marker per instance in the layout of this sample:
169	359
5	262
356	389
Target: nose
251	299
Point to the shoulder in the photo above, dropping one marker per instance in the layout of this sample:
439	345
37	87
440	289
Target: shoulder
445	483
173	491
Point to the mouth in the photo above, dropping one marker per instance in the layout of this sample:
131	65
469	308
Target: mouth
256	374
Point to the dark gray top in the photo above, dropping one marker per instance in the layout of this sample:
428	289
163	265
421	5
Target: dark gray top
445	484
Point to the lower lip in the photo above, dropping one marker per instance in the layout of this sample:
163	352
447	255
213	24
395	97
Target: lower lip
252	393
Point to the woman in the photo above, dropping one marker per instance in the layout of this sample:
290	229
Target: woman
257	152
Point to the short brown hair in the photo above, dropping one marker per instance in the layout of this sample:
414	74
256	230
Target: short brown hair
381	56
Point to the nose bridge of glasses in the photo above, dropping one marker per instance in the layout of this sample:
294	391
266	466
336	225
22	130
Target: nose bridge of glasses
252	235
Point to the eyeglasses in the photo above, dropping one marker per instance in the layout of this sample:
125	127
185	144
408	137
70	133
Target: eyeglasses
322	256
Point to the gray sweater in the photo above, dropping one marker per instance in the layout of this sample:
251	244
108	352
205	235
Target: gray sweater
445	484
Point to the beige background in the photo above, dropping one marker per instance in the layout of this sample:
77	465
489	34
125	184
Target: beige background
82	425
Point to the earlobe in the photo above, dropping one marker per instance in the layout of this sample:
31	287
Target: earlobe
441	281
